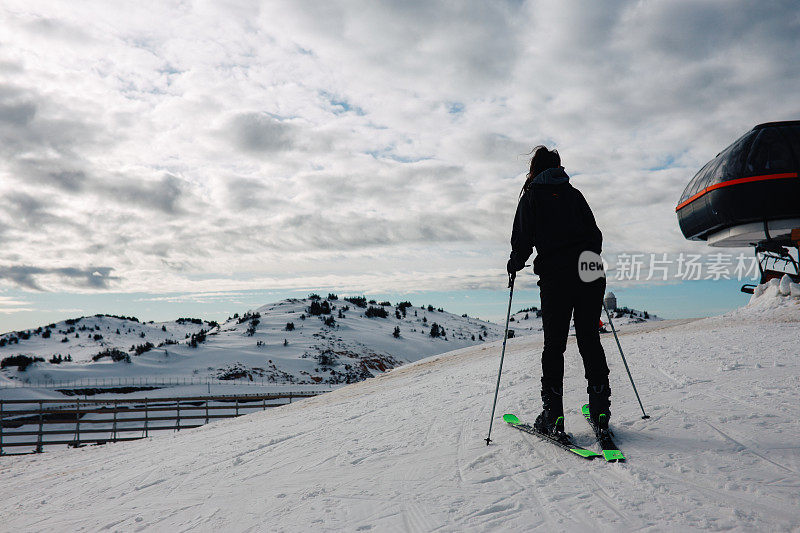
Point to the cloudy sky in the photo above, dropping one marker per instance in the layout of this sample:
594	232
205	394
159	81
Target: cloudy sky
193	147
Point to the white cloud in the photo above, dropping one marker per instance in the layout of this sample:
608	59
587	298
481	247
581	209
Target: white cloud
10	305
176	145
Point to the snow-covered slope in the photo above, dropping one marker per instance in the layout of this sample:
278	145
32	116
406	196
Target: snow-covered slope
279	342
405	450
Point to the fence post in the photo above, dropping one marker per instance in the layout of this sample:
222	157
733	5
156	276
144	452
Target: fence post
206	410
145	417
178	420
114	438
1	427
290	396
39	437
237	406
77	422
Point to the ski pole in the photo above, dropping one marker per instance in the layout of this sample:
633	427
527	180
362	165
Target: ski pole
645	416
502	355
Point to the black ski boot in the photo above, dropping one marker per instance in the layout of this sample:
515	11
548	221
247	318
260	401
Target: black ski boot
551	419
549	423
600	405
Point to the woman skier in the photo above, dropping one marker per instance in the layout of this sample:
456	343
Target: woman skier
554	217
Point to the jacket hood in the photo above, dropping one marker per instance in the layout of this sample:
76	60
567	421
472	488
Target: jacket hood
551	176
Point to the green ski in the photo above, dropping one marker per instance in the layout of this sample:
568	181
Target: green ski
610	451
564	441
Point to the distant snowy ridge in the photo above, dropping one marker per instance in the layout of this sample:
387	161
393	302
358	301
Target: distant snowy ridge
530	319
310	340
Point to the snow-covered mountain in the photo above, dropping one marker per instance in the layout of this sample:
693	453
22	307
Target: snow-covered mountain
313	340
406	451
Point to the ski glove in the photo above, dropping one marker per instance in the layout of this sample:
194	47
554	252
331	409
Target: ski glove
513	265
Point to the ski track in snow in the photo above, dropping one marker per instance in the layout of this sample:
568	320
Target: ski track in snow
405	450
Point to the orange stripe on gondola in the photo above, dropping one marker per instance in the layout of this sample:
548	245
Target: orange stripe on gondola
735	182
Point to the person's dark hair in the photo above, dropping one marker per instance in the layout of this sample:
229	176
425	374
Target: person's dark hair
542	160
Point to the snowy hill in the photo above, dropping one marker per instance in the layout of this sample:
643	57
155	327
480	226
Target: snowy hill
293	341
405	450
82	338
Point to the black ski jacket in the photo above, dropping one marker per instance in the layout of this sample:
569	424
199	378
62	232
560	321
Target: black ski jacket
554	217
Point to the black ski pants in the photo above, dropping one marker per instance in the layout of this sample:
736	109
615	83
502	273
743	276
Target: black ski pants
562	297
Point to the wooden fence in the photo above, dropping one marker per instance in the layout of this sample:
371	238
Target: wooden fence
34	424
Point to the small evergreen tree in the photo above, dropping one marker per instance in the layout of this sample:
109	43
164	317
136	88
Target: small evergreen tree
378	312
402	306
326	358
20	361
358	301
142	348
197	338
317	308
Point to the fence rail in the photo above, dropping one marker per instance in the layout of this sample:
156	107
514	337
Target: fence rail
79	418
143	382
